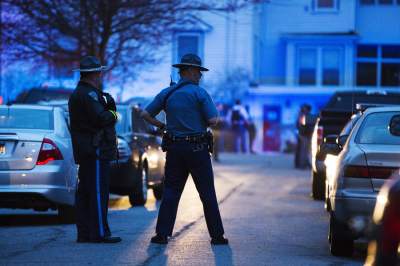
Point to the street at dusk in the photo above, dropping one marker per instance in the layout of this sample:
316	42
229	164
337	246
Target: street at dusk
268	214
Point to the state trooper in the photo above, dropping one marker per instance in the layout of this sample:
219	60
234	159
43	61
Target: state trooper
92	118
189	111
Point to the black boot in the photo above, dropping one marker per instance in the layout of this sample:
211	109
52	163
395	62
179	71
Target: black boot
159	239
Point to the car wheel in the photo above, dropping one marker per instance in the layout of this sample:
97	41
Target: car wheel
139	196
339	246
318	185
67	214
159	191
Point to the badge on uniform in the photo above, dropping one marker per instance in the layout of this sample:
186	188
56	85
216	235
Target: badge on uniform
94	95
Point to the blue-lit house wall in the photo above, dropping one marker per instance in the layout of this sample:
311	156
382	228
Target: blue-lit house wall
305	50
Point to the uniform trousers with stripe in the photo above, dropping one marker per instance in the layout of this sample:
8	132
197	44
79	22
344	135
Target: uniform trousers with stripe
91	201
182	159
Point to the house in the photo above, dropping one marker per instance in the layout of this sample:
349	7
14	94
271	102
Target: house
305	50
280	54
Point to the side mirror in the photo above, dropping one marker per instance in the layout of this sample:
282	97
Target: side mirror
394	126
330	148
331	138
342	140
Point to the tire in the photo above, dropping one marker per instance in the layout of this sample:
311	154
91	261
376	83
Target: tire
139	196
318	185
159	191
343	247
66	214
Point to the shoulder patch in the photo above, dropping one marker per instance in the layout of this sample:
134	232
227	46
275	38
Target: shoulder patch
94	95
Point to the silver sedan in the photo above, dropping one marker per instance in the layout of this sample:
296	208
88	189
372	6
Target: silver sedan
37	169
366	158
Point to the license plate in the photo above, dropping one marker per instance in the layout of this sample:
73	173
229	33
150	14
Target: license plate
2	150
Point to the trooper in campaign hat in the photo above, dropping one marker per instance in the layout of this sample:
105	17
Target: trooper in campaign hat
94	139
189	60
189	111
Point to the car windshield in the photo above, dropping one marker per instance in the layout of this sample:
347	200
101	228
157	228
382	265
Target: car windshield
374	130
26	119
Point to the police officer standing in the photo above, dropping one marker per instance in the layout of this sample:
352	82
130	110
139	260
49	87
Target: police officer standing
189	111
94	143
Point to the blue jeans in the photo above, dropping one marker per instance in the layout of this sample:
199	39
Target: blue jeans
91	200
182	160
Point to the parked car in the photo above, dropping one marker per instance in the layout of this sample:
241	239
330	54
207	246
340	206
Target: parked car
366	159
383	249
43	95
141	160
332	118
37	169
331	159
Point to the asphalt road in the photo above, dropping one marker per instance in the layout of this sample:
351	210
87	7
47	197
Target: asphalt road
268	215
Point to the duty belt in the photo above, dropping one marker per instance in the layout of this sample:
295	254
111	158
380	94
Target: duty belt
206	139
192	139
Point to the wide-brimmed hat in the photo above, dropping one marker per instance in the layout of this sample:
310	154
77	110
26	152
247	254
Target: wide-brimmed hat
190	60
89	64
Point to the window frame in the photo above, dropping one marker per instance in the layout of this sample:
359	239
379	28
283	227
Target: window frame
319	64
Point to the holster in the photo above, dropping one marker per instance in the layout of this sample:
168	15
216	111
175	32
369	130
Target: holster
166	141
210	141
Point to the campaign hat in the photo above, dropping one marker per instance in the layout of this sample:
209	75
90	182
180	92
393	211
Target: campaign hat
89	64
190	60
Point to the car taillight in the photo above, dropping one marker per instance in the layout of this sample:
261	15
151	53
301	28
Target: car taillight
355	171
124	149
319	135
48	152
383	172
370	172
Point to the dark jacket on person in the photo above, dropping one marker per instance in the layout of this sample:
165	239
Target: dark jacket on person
89	113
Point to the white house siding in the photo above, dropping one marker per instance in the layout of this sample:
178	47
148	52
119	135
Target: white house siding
226	45
378	24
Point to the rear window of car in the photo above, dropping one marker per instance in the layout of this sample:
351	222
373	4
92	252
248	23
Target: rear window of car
36	95
26	119
346	101
374	130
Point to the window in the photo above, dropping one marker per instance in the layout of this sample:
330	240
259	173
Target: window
187	43
26	119
325	5
379	2
330	66
320	66
378	65
374	130
307	66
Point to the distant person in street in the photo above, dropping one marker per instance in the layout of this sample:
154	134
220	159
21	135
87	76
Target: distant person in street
303	140
94	143
251	128
239	119
218	132
189	111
